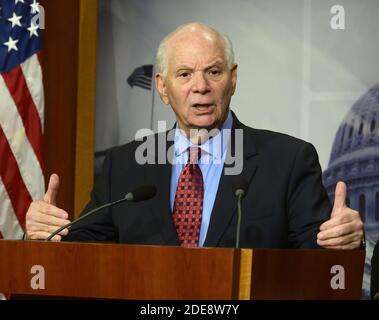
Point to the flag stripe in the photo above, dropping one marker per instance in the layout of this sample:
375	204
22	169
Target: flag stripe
142	85
9	225
12	180
141	78
14	131
32	71
40	55
15	81
144	80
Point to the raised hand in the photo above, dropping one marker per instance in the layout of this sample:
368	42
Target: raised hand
44	217
344	229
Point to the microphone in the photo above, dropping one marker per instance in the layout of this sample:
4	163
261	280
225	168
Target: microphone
240	190
142	193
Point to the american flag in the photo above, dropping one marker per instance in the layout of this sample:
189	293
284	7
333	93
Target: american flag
141	77
21	114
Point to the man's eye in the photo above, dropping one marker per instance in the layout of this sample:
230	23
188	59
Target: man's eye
184	74
214	72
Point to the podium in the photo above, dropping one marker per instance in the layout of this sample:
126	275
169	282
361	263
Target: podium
117	271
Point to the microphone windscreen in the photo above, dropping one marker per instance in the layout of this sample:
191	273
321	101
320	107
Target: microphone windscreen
145	192
240	185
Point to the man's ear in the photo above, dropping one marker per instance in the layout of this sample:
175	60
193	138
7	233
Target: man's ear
234	77
160	84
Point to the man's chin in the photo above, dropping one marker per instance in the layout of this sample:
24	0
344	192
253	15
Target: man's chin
204	126
204	122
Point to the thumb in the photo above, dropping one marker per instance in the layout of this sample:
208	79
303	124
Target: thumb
52	190
339	197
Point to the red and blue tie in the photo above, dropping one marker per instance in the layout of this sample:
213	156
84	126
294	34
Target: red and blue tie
188	205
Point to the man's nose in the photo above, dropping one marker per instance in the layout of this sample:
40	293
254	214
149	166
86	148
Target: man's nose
200	83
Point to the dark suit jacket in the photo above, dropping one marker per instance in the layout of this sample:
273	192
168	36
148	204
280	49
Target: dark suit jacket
284	207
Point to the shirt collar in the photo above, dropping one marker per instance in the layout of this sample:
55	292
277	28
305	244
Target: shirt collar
214	147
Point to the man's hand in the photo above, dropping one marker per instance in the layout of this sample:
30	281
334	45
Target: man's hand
344	229
43	217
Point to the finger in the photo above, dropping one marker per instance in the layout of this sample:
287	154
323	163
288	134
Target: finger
43	236
339	197
40	227
348	217
52	190
340	241
338	231
351	246
43	207
56	238
50	220
344	247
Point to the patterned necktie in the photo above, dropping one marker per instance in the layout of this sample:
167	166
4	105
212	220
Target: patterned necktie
188	205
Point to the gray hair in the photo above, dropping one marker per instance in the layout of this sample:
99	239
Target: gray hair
161	62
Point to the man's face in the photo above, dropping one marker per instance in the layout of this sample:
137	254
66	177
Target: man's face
199	85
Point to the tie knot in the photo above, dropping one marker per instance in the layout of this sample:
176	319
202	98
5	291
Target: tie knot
194	154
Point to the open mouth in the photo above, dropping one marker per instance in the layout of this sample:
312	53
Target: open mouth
203	107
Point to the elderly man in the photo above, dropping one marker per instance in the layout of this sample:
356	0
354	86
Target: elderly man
285	206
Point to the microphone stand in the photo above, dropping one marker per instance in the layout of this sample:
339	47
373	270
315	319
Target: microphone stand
85	216
239	215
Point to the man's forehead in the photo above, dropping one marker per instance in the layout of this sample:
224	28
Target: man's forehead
190	59
195	36
191	49
195	29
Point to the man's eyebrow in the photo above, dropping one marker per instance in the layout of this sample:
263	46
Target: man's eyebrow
183	67
216	63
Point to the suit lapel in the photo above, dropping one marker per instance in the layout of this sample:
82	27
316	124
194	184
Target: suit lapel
226	203
160	175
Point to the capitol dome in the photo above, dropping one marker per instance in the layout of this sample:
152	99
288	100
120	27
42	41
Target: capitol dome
355	156
355	160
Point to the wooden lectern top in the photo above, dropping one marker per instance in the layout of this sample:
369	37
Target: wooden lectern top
119	271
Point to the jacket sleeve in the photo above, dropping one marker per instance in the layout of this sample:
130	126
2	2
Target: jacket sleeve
97	227
308	202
